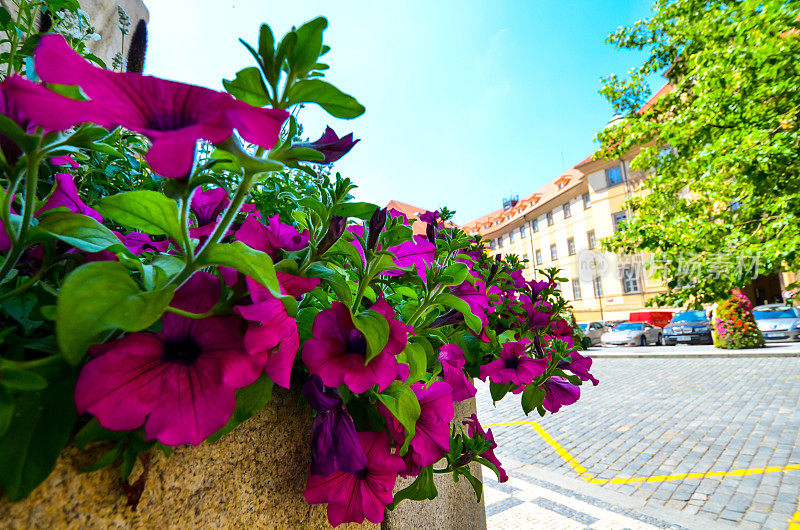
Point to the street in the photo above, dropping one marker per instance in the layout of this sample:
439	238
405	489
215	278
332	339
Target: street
663	442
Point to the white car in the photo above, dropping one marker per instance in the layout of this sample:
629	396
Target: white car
593	330
633	334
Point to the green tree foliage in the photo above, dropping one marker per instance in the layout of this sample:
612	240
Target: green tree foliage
722	143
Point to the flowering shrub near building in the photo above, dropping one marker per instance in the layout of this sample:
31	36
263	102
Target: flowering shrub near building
734	324
165	294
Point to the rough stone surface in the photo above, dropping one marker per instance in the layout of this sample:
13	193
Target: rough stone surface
254	477
454	507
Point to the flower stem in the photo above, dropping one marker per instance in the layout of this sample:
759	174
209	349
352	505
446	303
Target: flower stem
31	182
188	314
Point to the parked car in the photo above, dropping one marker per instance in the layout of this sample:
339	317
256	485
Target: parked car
778	321
688	327
593	330
632	334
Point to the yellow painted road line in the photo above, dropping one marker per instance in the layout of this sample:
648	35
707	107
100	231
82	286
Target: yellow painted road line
582	472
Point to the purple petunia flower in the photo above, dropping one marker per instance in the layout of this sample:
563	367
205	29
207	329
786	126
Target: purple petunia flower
207	206
432	436
337	352
178	383
419	252
474	428
559	392
173	115
271	336
65	195
514	366
351	497
271	237
453	361
334	440
8	107
429	217
331	146
65	160
580	366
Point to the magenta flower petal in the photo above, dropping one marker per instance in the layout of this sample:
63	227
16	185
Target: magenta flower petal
271	237
580	366
173	115
180	382
514	366
352	497
419	252
66	195
331	146
559	392
295	286
208	205
453	361
337	353
64	161
474	428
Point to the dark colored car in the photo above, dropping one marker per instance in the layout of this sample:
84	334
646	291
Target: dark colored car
688	327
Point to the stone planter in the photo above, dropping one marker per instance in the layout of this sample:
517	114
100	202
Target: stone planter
255	477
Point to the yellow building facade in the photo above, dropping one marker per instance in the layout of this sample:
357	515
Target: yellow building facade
561	225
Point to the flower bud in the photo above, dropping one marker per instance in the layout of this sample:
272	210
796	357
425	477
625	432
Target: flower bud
335	231
376	224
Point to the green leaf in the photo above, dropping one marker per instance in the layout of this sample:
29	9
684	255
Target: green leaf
16	379
308	47
249	401
454	274
404	405
146	211
375	328
80	231
93	432
333	280
98	297
266	45
414	356
250	262
9	128
248	86
334	101
39	430
477	485
423	488
461	306
498	391
532	397
361	210
6	409
106	460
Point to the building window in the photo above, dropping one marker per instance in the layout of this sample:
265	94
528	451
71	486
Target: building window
549	218
511	237
535	225
576	289
630	280
553	252
597	284
525	261
617	218
491	244
587	201
522	231
539	257
613	176
571	246
567	213
591	239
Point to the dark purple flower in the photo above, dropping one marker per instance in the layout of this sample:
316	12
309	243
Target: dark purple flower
173	115
514	366
559	392
334	440
432	432
429	217
474	428
331	146
453	361
207	206
178	383
351	497
337	351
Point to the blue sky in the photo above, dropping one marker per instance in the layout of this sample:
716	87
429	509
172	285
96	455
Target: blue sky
467	101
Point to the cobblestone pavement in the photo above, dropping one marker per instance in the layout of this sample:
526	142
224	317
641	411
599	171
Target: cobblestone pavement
658	419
